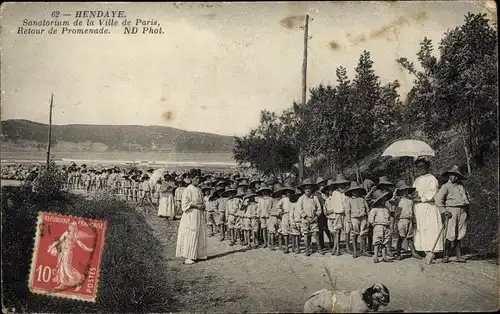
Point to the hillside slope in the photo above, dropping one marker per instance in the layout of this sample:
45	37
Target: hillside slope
113	137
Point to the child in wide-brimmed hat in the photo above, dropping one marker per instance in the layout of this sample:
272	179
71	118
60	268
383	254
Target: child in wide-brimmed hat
310	208
210	208
93	179
335	210
385	185
243	182
181	186
126	184
273	223
265	205
357	217
240	213
147	195
232	205
370	187
135	187
255	185
250	220
322	220
404	218
224	195
453	201
379	218
85	178
284	208
295	221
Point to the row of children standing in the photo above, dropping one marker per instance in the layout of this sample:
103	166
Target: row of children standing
257	213
133	185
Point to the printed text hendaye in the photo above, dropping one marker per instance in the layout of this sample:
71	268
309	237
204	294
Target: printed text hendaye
100	14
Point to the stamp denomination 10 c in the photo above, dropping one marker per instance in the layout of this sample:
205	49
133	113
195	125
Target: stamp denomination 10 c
67	256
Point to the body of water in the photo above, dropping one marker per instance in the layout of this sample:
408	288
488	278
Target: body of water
164	159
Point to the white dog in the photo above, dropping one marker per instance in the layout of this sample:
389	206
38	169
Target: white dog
340	301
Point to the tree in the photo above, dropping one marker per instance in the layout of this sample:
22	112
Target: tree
458	90
363	123
270	148
327	120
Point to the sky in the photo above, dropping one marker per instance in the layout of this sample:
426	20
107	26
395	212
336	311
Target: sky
214	68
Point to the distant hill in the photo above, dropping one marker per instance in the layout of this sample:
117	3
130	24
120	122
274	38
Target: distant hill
25	133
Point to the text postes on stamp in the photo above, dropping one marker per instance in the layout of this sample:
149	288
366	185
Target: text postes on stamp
67	256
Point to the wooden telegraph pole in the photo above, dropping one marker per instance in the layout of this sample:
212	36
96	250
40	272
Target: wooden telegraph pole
304	93
50	131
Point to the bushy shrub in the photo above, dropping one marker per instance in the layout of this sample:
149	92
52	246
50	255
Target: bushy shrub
48	184
133	274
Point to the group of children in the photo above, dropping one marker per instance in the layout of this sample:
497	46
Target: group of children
133	185
258	213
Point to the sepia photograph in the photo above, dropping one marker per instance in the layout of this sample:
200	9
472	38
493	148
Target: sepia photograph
249	157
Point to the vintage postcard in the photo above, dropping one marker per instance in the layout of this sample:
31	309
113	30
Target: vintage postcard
67	256
300	156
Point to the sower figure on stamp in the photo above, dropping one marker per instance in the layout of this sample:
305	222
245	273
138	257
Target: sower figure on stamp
453	200
66	274
192	235
322	220
309	208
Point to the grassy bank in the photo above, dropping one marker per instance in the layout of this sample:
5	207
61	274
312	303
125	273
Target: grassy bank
133	274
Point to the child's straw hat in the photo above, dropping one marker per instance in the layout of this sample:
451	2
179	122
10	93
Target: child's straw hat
455	171
354	187
378	196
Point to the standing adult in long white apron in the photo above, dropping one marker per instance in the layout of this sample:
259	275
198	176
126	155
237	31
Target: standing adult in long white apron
192	235
427	214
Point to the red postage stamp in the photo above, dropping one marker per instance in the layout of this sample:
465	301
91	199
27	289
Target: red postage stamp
67	256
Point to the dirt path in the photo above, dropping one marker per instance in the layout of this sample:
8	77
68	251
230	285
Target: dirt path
260	280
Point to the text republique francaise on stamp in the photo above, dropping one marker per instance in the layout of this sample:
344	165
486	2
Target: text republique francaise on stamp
67	256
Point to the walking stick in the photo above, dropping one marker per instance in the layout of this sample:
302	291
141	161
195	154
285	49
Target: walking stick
430	257
444	235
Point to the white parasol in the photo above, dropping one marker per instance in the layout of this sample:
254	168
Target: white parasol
157	174
409	148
